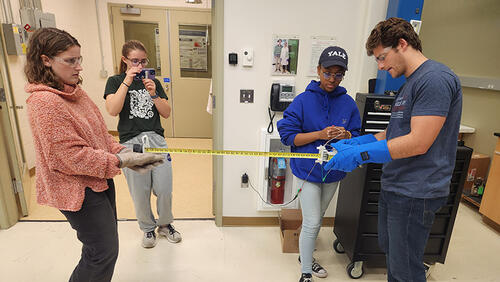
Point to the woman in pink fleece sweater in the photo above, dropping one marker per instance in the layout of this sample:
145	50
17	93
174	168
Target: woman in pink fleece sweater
76	157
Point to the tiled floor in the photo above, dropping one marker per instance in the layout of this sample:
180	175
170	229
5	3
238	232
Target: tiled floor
192	196
43	251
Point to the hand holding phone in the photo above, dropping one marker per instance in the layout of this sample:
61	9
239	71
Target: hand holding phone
147	73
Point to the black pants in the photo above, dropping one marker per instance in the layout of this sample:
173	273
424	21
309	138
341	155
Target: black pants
96	227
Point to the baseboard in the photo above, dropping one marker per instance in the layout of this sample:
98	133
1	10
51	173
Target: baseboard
113	132
263	221
491	223
32	171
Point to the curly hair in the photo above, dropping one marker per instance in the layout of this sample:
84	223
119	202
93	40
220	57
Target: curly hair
127	47
49	42
387	33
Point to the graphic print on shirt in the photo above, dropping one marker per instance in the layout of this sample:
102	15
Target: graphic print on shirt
399	107
141	105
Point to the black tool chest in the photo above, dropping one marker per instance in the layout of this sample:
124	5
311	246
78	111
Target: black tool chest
356	215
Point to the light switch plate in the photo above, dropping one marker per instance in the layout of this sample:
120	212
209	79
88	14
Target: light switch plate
246	95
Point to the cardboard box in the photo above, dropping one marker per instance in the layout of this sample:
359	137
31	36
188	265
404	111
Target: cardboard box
478	167
290	226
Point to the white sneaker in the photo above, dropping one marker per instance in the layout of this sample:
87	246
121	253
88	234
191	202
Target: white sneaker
317	269
149	240
169	231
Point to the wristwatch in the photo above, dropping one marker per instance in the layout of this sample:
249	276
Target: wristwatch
155	96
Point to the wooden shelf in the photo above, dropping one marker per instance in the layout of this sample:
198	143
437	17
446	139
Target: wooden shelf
475	200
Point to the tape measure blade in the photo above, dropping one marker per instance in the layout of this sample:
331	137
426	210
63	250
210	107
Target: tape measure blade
232	153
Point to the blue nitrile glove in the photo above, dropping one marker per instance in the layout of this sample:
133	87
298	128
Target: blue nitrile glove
350	157
360	140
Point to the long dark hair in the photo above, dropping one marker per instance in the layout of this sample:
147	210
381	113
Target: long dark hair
49	42
127	47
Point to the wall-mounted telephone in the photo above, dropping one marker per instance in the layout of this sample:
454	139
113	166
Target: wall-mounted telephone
282	95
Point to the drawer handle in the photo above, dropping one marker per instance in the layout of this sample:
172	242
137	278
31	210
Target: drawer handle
497	152
376	122
379	114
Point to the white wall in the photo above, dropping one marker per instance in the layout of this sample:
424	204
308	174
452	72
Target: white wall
79	18
252	24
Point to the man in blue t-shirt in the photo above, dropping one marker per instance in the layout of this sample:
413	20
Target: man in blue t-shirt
418	147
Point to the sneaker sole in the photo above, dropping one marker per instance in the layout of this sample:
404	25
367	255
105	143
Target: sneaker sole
320	275
148	247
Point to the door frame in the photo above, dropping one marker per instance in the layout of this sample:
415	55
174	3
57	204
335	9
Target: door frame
13	202
218	110
217	12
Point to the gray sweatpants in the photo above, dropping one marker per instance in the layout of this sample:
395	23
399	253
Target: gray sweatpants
314	200
158	180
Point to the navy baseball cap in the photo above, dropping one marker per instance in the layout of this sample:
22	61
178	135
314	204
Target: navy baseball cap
333	56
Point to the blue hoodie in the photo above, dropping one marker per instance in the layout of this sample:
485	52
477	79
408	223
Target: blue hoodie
313	110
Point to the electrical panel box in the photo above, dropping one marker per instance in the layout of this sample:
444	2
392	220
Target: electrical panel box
28	19
15	39
46	19
33	19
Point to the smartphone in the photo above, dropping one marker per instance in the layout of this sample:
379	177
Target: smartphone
145	73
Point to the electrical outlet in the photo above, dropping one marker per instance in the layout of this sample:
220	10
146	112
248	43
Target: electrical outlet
244	180
246	95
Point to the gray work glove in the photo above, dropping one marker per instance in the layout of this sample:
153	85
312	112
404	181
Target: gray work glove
141	161
126	150
146	168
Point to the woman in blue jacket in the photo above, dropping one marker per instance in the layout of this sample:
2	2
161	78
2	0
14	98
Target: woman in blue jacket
323	112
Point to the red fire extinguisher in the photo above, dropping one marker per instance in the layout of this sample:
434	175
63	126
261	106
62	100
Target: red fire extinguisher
277	180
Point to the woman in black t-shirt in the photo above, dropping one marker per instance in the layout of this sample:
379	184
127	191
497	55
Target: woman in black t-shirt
139	104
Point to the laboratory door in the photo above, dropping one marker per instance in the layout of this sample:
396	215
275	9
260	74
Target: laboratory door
8	208
178	45
13	173
191	72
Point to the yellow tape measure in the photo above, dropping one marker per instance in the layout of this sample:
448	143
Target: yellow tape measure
232	153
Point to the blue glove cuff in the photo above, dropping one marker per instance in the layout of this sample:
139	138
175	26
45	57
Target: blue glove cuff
365	139
375	152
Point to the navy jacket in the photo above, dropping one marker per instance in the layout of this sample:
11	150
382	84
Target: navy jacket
313	110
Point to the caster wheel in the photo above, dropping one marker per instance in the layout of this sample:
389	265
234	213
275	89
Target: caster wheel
355	269
338	247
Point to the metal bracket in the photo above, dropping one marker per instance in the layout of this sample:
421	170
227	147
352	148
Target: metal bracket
2	95
145	143
324	154
17	186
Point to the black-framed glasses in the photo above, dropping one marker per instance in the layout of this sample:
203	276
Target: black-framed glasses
336	76
72	62
136	62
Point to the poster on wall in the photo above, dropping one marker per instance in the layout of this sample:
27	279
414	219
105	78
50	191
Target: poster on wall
318	44
285	51
193	50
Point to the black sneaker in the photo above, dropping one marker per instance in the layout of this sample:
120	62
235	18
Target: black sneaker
306	277
317	269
